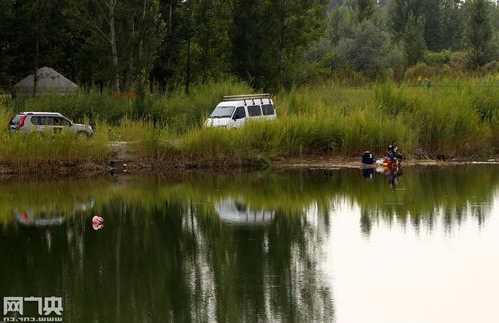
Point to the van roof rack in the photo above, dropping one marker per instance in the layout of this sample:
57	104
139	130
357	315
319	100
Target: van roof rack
247	97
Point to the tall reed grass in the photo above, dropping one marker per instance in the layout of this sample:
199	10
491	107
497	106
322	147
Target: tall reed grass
331	133
450	119
180	112
457	119
93	105
453	118
177	111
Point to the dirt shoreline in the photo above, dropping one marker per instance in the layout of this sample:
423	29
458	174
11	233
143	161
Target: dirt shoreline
339	163
137	166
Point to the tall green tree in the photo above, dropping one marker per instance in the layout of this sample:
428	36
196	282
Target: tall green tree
479	32
169	57
6	42
269	38
341	23
100	19
33	33
453	21
248	40
365	51
146	28
431	12
413	40
407	22
196	45
365	9
400	13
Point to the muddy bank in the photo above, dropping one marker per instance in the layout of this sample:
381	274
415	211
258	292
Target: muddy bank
326	162
123	160
142	166
53	169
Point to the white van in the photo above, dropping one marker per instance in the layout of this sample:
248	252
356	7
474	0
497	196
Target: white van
234	111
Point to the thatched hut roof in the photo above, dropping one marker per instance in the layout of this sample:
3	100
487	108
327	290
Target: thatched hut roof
49	82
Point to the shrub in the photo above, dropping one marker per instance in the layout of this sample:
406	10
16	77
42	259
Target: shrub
490	68
421	71
365	51
437	58
458	61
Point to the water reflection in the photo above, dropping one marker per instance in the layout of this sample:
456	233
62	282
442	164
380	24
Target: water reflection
236	212
392	174
428	195
203	248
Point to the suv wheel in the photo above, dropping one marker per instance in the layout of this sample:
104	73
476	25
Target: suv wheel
82	134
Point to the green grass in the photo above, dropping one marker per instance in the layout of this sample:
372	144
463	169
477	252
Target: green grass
453	118
330	133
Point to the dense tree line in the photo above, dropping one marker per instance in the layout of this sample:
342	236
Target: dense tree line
167	44
171	43
374	37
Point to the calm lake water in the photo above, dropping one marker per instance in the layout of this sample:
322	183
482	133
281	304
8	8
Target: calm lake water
322	246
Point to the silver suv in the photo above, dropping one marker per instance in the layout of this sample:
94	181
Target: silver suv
51	122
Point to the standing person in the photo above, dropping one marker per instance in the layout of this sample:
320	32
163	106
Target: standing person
392	153
92	120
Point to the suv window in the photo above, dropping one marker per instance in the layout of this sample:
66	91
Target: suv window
58	121
268	109
66	122
48	121
254	110
43	120
240	113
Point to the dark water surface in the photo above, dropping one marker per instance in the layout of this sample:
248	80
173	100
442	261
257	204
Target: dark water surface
325	246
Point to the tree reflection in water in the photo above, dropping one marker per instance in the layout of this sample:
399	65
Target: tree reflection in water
206	248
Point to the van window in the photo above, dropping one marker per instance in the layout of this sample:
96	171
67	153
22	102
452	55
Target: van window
254	110
268	109
35	121
240	113
223	112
